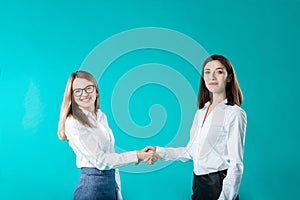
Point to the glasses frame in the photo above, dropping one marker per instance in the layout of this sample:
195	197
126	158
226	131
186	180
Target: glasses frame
85	89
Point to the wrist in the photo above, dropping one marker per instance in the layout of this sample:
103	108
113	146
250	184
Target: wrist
138	155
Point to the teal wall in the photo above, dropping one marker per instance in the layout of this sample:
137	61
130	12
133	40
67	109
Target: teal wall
42	42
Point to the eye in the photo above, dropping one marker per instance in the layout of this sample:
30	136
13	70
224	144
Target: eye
89	89
206	72
77	92
220	72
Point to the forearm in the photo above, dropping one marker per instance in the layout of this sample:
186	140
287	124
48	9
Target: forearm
231	182
100	159
179	153
113	160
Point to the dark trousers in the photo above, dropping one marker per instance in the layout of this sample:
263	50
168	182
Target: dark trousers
208	186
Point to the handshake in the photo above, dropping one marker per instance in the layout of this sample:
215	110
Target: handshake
148	155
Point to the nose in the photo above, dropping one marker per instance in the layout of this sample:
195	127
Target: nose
84	93
213	75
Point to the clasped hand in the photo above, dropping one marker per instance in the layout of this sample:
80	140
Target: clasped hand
148	155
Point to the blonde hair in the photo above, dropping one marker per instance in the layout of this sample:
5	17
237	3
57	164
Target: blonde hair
69	108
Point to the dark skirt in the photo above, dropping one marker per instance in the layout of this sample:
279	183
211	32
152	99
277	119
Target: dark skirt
96	184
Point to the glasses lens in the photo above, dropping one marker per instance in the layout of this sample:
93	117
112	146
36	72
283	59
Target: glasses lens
89	89
77	92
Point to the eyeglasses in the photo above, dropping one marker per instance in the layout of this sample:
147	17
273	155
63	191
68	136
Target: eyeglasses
88	89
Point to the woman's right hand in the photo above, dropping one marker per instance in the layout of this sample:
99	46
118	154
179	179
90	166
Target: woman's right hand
147	155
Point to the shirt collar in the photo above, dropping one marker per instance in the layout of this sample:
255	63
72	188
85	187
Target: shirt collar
89	114
222	103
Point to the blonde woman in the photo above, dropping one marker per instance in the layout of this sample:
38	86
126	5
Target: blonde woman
85	127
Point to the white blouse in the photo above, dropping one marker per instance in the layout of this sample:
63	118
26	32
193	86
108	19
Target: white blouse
94	147
215	145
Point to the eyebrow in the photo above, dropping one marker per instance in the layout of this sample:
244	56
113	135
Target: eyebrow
83	87
216	68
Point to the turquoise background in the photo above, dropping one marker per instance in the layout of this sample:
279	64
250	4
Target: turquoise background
42	42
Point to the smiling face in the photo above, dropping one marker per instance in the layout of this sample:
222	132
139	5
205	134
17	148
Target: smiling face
216	77
84	94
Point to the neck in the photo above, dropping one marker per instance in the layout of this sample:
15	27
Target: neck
217	98
89	109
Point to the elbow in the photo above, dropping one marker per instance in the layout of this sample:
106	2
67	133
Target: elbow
237	167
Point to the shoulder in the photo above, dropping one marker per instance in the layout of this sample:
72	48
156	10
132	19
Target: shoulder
101	117
74	128
71	122
198	113
201	110
197	118
233	112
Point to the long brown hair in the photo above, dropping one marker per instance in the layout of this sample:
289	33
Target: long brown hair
233	91
69	106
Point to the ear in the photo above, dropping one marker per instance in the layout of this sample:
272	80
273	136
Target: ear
229	78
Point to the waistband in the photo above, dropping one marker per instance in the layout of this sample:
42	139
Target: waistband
95	171
222	172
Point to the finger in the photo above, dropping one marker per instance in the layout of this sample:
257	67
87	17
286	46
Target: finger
150	152
157	156
137	163
146	160
150	162
145	149
154	160
150	148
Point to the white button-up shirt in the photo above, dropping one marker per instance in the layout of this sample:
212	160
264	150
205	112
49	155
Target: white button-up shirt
94	147
215	145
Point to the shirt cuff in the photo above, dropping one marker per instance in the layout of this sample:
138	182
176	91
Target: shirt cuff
132	156
160	151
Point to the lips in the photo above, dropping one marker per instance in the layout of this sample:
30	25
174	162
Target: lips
85	99
213	83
